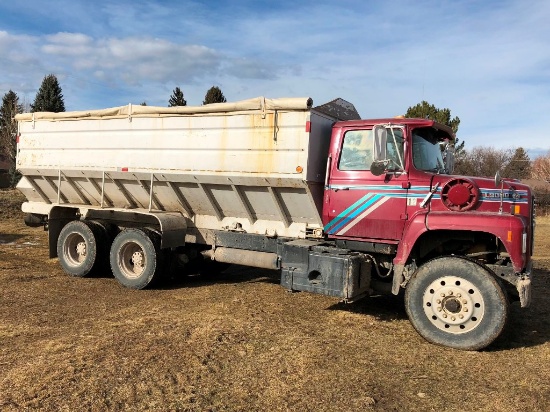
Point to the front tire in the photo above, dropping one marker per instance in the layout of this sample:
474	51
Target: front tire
456	302
136	258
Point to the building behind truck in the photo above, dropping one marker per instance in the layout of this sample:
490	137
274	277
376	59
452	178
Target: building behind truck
338	205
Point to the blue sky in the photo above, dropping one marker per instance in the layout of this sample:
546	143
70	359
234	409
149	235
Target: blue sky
487	61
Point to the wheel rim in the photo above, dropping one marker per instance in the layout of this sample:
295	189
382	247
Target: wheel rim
132	260
453	304
75	249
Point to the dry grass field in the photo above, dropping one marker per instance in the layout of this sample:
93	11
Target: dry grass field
242	343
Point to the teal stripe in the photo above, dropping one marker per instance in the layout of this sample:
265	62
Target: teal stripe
348	210
346	219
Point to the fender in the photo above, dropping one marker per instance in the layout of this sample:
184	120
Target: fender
509	229
414	228
172	225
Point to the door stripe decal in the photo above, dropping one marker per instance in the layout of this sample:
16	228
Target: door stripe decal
352	212
363	215
348	210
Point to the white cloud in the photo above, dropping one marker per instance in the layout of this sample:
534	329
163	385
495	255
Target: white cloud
132	59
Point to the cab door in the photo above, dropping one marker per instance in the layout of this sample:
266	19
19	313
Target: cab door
358	203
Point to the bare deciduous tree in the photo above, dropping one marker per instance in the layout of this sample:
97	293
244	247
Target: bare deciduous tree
540	169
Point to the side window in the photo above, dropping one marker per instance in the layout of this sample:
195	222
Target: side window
356	150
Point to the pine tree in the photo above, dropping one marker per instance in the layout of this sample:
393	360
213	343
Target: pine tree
49	97
519	166
176	99
8	132
214	95
424	110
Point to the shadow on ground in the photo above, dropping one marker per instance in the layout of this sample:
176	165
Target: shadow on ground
6	238
383	307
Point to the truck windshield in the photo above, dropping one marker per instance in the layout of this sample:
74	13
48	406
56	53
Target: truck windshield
427	152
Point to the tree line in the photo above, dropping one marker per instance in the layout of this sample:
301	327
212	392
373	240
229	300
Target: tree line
485	161
478	161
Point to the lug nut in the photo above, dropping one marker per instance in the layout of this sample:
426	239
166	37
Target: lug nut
442	295
458	295
453	318
438	301
445	315
461	316
465	309
464	301
450	292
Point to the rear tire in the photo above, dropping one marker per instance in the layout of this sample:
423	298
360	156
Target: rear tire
456	302
136	258
77	248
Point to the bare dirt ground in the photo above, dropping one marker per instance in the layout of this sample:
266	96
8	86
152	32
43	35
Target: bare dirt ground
242	343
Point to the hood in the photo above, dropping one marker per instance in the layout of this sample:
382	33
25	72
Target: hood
463	193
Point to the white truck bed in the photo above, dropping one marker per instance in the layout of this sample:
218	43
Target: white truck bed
256	164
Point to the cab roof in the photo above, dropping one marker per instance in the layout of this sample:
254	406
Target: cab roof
399	121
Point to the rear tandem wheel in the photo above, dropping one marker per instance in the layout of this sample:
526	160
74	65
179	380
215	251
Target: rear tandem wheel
136	258
80	247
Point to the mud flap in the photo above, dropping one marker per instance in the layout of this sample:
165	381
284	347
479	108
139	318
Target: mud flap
524	291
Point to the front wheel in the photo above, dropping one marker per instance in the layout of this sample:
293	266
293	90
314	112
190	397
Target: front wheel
456	302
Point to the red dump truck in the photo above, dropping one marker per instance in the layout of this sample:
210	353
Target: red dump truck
338	205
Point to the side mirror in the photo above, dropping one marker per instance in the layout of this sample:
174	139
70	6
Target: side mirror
378	167
449	158
498	179
380	143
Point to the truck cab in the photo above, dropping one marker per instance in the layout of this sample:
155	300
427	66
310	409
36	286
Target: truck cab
390	190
